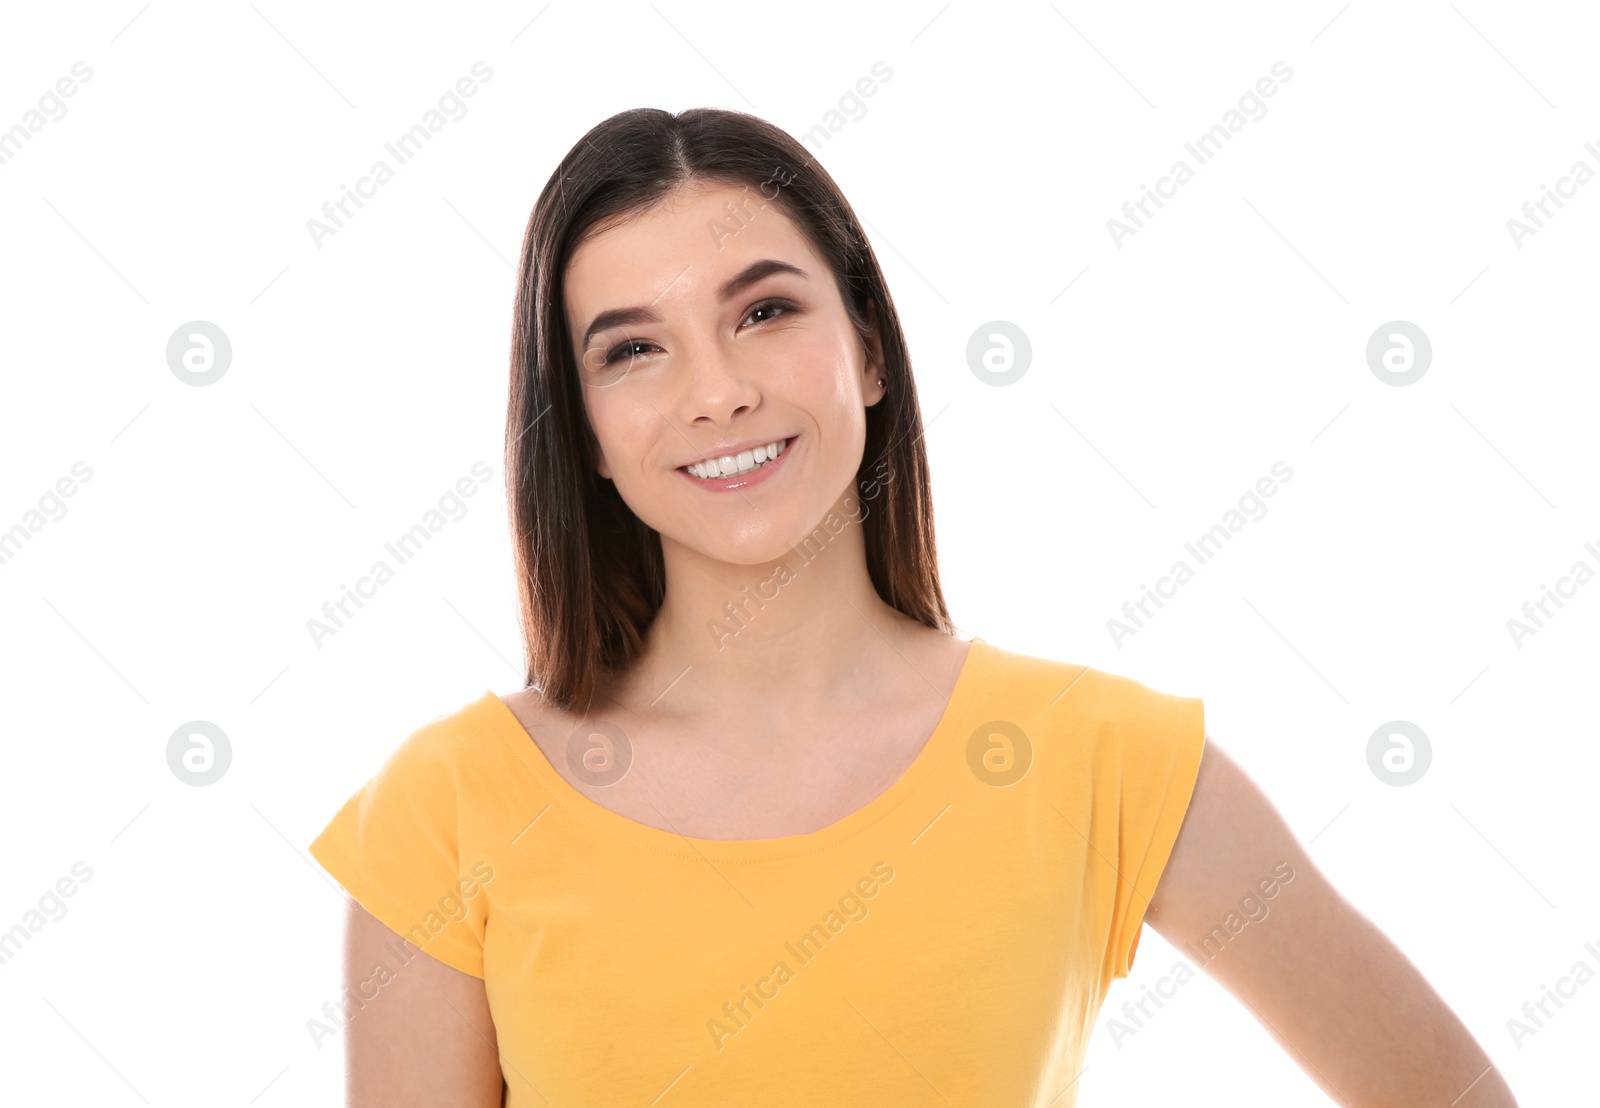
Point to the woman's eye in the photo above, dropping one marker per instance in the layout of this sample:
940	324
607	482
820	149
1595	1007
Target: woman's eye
627	347
772	305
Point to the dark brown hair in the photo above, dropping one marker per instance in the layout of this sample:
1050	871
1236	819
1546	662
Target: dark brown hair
589	571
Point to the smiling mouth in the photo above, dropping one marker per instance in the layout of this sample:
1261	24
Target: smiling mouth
745	462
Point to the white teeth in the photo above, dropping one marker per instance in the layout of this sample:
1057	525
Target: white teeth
743	462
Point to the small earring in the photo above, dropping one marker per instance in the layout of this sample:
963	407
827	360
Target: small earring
880	382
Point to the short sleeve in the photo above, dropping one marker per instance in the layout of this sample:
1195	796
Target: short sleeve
1159	741
395	846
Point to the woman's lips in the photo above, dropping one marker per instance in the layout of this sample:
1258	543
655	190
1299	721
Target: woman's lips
738	481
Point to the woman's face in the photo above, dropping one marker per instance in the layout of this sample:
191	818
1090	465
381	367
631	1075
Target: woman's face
707	363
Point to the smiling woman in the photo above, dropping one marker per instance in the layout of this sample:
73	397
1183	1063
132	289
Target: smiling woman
688	828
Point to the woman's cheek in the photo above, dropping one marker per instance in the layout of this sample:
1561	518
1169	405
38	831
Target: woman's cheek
626	431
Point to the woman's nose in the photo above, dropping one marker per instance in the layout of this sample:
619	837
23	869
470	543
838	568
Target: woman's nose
717	382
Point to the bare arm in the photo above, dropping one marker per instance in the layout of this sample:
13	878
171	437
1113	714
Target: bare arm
1335	993
425	1040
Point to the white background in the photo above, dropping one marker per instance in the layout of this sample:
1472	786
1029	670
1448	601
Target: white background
369	374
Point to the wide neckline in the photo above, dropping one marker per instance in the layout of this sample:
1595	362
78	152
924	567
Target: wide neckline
507	725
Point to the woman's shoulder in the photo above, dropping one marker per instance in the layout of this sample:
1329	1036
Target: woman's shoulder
1076	688
452	742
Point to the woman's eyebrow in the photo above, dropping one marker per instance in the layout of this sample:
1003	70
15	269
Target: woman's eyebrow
749	275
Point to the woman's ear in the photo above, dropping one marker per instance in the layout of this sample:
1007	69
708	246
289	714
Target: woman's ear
875	367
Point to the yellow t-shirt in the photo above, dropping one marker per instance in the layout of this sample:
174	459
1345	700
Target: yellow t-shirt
949	943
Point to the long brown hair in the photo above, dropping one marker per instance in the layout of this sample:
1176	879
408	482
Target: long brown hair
590	572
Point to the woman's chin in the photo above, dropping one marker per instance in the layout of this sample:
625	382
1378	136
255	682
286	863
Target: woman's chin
759	546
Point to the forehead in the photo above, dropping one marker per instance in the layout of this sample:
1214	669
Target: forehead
680	250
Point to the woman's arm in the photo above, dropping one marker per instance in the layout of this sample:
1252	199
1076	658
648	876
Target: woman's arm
1338	996
426	1039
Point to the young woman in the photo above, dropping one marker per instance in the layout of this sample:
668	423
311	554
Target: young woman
762	828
